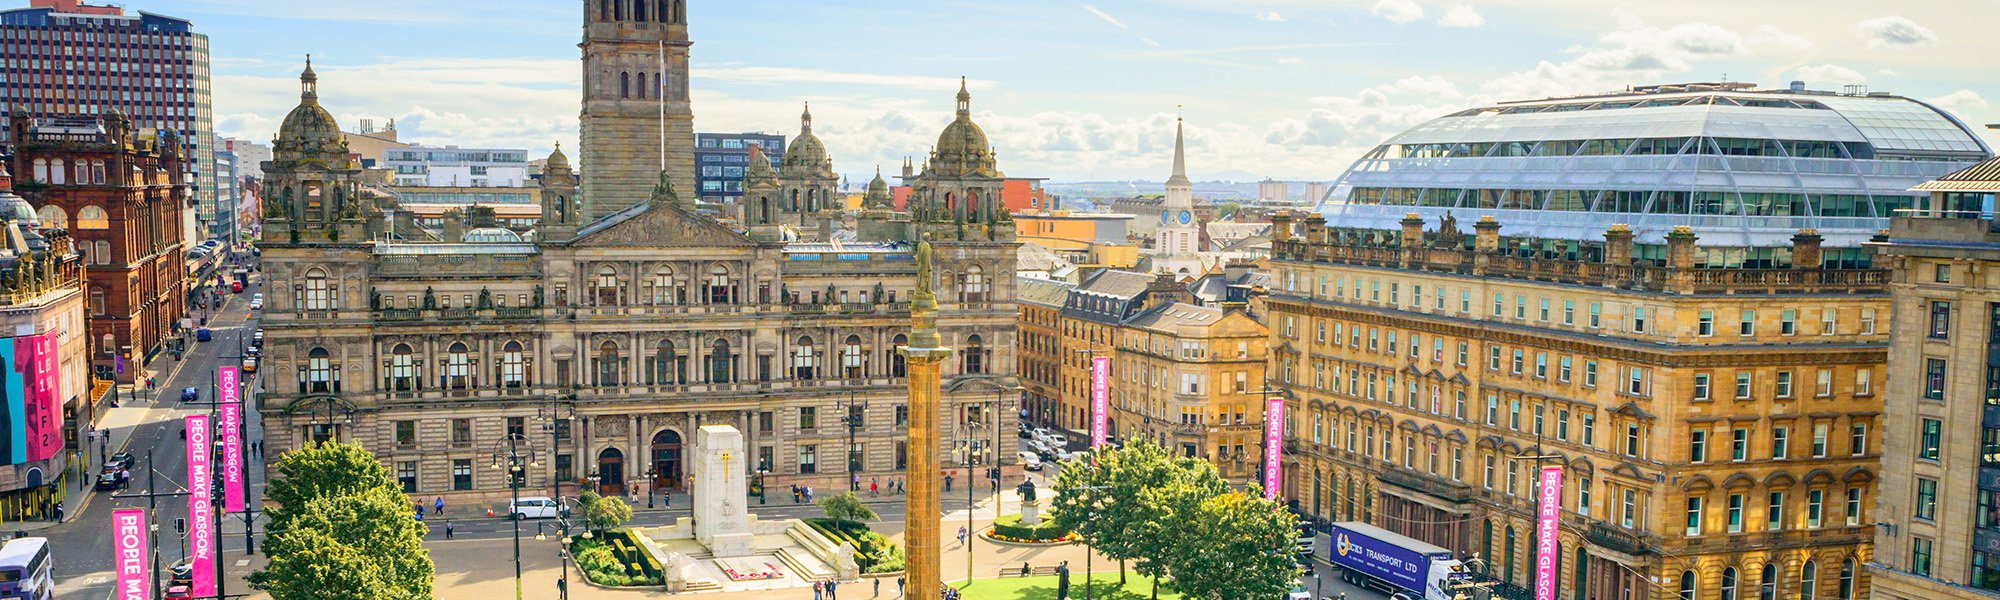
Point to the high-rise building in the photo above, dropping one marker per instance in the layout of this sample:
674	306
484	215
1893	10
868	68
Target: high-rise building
1938	519
66	57
1273	191
1663	291
637	121
721	157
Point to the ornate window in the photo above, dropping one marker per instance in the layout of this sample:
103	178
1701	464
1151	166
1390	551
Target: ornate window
53	216
92	217
803	360
720	363
1729	583
402	368
56	168
664	369
513	365
607	286
96	172
624	84
975	355
457	367
42	170
898	365
660	290
1809	581
719	289
318	291
1688	581
319	372
851	360
974	287
607	364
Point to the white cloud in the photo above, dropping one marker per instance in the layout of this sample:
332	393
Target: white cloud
1271	16
1397	11
1770	38
1894	31
789	75
1461	16
1638	52
1961	102
1826	76
1357	122
1291	60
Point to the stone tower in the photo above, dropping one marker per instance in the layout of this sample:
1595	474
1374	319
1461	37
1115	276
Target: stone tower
635	85
311	183
560	207
925	352
807	179
1178	233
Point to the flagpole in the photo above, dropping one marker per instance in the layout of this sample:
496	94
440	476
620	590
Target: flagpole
660	94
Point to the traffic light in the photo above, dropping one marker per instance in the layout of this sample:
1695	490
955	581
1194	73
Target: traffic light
180	526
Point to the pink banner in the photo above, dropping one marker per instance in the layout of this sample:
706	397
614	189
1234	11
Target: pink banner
201	486
226	379
1547	557
128	554
33	398
1274	429
1100	400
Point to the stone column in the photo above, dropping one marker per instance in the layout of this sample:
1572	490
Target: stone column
924	354
1680	259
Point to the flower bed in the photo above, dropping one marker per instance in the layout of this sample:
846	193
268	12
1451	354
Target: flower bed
872	552
613	559
1009	528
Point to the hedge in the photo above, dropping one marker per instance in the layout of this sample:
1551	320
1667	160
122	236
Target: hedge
613	560
1010	526
872	552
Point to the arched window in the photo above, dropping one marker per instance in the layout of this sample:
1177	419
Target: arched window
1688	589
513	365
680	12
318	290
53	217
624	84
402	368
974	287
97	172
1485	536
660	291
42	170
851	358
720	363
1767	583
1507	567
1847	579
719	289
1582	573
56	171
603	9
607	286
803	360
658	92
607	364
92	217
319	371
617	10
898	365
1809	581
457	367
639	10
103	254
1728	583
663	368
664	14
975	355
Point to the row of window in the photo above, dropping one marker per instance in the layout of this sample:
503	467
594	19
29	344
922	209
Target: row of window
1767	586
1733	514
1780	442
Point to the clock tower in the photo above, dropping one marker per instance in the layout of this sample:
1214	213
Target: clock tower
1178	234
636	117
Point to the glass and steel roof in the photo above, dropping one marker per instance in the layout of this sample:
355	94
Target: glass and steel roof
1744	168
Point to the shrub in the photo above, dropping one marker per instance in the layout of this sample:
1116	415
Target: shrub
872	552
1010	527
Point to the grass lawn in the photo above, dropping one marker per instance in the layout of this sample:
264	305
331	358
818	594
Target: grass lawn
1137	587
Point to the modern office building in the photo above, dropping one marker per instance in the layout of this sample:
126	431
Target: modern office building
1938	532
720	158
228	194
1663	291
452	166
66	57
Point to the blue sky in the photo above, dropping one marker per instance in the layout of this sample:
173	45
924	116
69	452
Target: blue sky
1070	90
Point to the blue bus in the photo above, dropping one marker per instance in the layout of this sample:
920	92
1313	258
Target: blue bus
25	568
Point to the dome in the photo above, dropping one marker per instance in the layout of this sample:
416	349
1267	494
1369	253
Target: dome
310	128
758	169
807	155
878	192
557	160
491	235
17	209
878	185
962	148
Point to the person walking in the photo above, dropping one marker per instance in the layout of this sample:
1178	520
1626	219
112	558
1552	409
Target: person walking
420	511
833	589
438	506
818	588
899	585
878	588
447	530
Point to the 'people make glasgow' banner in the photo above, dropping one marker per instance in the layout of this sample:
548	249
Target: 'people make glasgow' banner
30	399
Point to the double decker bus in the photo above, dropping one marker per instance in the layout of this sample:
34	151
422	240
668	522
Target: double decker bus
25	568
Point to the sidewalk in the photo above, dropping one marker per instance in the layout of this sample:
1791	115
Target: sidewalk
116	425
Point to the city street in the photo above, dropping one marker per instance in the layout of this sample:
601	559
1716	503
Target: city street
82	545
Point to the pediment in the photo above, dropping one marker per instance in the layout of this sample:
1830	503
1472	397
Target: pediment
661	225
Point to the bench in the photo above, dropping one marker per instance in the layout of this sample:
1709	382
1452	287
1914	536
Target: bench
1027	571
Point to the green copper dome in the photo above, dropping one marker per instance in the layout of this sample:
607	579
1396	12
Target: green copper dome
806	157
963	149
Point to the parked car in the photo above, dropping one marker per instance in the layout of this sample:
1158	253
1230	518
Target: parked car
257	297
1027	433
179	592
236	287
535	508
202	334
257	304
122	460
1030	461
189	394
257	339
249	364
1058	441
108	481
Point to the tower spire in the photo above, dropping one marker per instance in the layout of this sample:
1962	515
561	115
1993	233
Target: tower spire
1180	155
806	118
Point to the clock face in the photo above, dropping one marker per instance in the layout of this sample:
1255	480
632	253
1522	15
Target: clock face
1186	217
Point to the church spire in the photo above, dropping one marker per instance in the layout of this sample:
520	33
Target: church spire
1180	156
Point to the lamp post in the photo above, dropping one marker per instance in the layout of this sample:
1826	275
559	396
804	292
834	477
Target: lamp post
1535	483
516	466
1001	389
853	415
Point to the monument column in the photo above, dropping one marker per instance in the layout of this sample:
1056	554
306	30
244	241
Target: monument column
922	506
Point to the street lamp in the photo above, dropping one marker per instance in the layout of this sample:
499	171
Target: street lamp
852	415
517	466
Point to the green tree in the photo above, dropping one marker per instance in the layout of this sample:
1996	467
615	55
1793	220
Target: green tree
1233	545
1228	210
341	529
1112	502
605	512
846	507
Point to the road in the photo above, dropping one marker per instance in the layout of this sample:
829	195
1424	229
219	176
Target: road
82	546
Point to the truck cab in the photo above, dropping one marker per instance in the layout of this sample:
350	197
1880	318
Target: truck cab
1372	557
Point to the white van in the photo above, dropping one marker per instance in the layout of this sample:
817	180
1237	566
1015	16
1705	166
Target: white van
534	508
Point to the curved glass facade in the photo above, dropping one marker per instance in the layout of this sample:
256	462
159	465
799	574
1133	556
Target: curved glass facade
1745	169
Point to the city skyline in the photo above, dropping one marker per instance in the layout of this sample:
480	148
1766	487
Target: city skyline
1075	91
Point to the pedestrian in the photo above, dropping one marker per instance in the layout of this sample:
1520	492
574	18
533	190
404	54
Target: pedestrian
878	588
59	511
438	506
818	588
420	511
667	498
874	489
447	530
832	589
947	482
961	534
899	585
795	493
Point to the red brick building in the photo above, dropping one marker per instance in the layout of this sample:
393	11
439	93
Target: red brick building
119	191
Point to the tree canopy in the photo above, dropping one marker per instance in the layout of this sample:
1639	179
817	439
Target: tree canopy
846	507
341	529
